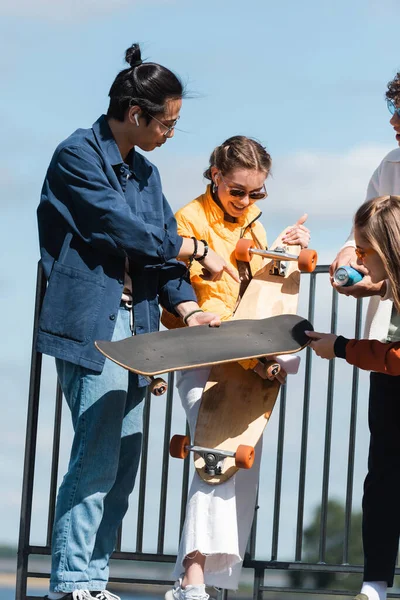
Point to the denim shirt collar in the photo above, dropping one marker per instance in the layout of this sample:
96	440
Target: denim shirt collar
108	145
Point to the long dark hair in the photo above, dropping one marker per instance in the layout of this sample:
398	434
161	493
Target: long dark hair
144	84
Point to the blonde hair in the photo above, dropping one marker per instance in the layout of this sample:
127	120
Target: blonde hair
378	220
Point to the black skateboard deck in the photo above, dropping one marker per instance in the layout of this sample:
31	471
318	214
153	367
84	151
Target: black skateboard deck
191	347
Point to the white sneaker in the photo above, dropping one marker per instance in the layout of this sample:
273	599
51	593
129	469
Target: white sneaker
105	595
190	592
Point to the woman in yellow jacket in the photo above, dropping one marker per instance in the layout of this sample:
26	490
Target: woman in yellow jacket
219	518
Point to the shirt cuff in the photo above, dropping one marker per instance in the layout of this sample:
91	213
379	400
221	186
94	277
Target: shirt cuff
339	346
177	292
170	248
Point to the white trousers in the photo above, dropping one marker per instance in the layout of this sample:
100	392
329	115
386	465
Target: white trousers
218	517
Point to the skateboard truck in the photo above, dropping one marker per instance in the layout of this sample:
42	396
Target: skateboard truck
213	459
279	267
180	447
307	259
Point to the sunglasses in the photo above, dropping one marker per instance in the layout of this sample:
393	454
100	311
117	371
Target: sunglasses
361	254
238	193
392	108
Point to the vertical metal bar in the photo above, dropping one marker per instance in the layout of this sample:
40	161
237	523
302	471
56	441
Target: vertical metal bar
352	443
165	464
185	486
258	582
251	545
328	438
304	434
278	475
143	472
119	539
30	446
54	462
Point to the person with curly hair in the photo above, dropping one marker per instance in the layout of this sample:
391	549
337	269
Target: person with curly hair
381	515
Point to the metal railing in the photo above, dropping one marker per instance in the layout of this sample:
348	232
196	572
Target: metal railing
260	568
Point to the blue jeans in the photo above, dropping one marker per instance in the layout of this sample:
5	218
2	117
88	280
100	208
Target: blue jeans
106	411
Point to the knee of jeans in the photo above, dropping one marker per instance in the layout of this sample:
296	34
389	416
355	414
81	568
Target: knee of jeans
104	479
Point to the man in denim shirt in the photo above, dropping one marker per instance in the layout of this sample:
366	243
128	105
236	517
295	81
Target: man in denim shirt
109	248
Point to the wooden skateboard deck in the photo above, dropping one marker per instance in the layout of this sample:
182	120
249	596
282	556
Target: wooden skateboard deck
191	347
235	409
238	403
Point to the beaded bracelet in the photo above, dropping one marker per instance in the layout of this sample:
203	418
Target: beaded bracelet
193	256
186	317
205	251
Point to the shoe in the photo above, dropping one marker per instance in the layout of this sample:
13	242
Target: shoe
190	592
76	595
104	595
361	597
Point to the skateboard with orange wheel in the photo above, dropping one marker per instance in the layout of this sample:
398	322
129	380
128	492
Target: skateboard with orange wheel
151	354
237	403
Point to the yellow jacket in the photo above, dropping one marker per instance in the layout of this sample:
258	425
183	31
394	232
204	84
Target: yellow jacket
204	219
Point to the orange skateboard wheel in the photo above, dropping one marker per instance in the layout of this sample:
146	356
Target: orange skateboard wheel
244	457
307	260
158	386
178	446
242	250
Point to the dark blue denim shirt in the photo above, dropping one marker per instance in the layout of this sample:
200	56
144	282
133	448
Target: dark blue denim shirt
95	211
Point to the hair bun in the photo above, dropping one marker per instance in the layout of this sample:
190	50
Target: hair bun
133	56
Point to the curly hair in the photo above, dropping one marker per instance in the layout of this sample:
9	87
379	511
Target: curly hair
393	89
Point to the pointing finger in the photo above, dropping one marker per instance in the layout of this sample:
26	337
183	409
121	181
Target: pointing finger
232	273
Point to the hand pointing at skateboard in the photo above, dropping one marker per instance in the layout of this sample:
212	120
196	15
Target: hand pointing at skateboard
298	234
214	266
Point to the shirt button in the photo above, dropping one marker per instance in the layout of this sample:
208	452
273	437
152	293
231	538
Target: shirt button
112	317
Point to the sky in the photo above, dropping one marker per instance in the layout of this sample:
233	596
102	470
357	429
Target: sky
306	79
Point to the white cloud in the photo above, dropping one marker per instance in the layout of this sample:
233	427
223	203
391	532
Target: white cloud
61	10
329	186
322	184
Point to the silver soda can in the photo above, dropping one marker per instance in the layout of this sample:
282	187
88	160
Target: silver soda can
345	276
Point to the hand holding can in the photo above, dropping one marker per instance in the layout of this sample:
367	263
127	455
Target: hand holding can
346	276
